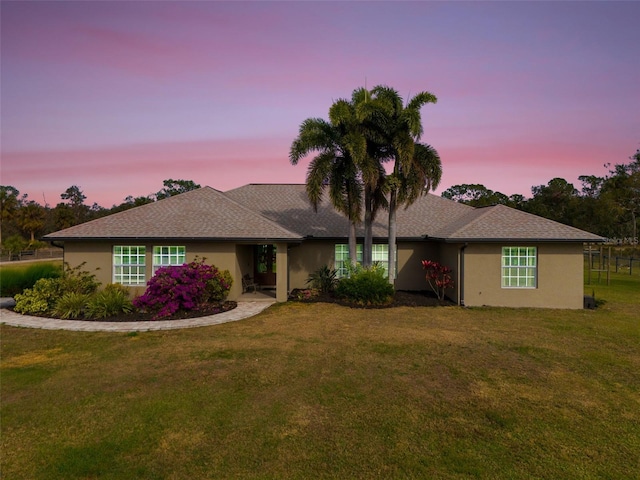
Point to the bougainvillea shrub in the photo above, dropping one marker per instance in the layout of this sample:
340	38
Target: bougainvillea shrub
184	287
438	277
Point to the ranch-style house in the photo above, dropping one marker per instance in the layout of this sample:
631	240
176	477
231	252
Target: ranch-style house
499	256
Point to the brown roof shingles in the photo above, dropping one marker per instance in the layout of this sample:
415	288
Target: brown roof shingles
283	212
501	223
205	213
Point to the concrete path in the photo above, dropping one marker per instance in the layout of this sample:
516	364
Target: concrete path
242	311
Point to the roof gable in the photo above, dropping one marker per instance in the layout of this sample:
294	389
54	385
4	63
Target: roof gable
500	223
204	213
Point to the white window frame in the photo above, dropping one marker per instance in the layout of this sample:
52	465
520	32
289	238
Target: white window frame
341	258
379	254
130	265
168	255
519	267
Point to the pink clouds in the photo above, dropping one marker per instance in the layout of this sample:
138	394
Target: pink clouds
117	96
108	175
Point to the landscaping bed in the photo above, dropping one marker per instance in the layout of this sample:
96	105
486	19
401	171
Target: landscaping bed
136	316
401	298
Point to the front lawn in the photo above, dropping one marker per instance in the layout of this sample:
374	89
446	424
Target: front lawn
326	391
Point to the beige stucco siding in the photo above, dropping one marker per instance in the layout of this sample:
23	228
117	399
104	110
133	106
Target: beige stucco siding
306	258
451	256
98	259
411	276
95	256
559	277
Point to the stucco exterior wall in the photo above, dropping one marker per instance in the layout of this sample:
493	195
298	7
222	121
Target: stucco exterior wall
306	258
450	256
99	255
559	278
411	276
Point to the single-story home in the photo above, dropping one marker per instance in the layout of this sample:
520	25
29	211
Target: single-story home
499	256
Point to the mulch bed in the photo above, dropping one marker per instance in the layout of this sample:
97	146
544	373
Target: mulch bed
205	310
423	298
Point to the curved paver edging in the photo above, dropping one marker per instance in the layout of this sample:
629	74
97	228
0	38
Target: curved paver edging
242	311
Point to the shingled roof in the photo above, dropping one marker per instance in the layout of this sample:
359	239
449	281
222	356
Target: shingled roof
502	223
282	212
204	213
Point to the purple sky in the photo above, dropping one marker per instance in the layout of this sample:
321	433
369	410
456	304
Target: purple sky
116	97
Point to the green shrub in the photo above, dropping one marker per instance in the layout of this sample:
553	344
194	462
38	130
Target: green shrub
323	279
14	245
219	286
71	305
41	298
15	279
366	287
77	280
113	300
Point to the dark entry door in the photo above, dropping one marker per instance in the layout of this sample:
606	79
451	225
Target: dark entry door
264	262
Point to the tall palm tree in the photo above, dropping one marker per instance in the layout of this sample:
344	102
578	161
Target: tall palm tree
333	167
416	167
358	119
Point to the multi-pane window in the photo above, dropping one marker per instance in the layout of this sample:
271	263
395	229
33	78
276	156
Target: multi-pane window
519	267
166	256
129	265
342	258
379	254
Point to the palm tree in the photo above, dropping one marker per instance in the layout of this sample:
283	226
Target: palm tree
416	167
357	118
332	167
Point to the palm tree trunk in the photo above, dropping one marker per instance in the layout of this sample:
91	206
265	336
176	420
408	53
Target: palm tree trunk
353	249
392	236
368	228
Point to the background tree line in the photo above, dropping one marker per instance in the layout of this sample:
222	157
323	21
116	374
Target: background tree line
23	221
608	206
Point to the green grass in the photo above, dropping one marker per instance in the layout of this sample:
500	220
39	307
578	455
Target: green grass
15	278
324	391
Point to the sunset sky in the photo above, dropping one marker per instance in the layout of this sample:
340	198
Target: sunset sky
116	97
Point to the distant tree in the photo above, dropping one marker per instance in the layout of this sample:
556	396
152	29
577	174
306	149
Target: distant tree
74	211
622	187
31	218
557	201
176	187
478	195
131	202
9	204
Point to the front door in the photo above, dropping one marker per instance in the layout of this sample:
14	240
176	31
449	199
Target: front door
264	262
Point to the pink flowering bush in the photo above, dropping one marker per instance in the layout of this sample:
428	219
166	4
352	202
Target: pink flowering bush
438	277
182	288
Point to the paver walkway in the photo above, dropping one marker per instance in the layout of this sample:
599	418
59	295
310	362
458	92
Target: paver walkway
242	311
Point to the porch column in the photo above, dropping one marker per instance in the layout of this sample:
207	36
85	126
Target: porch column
282	272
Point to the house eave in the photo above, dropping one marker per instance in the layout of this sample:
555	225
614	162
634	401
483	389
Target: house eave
518	240
174	239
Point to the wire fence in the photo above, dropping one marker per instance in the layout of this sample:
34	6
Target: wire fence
39	254
618	264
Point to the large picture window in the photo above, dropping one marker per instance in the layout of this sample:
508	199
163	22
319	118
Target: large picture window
519	267
167	256
129	265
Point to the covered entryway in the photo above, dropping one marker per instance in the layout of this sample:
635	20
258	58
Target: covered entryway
264	265
261	263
